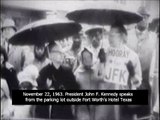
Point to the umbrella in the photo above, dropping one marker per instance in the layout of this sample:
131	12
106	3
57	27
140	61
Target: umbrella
44	31
103	16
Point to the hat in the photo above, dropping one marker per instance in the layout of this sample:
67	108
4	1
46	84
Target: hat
8	23
29	74
94	31
143	11
5	88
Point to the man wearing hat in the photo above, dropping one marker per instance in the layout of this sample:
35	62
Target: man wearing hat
143	41
95	37
8	30
16	54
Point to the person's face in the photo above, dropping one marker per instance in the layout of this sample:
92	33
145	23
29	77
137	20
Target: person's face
2	59
87	59
8	32
77	41
115	38
57	57
142	25
39	51
96	39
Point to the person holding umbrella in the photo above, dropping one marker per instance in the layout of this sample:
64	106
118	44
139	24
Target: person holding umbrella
127	75
55	77
95	37
122	71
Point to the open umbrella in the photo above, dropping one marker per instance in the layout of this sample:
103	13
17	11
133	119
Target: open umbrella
44	31
103	16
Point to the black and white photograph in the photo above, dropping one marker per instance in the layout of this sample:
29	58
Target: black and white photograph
63	46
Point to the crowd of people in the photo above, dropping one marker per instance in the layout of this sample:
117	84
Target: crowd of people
85	65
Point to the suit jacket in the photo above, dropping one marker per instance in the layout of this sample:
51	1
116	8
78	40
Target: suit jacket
62	79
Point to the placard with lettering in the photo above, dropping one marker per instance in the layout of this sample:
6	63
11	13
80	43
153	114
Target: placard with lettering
116	70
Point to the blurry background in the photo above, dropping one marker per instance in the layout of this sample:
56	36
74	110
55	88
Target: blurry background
26	11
